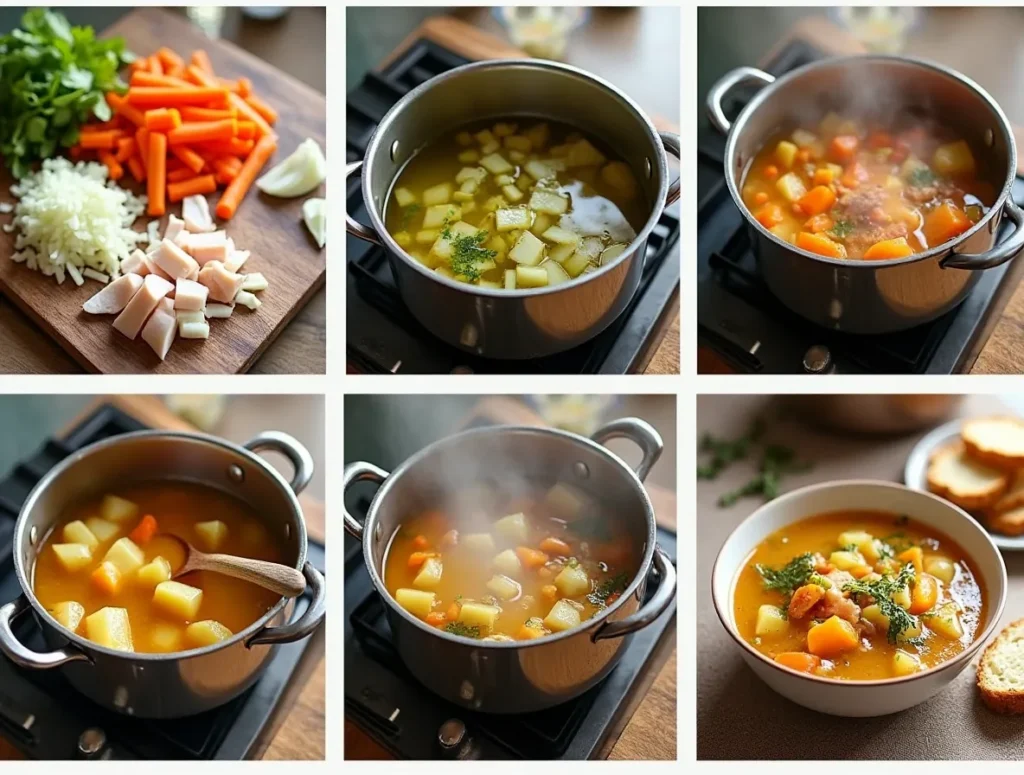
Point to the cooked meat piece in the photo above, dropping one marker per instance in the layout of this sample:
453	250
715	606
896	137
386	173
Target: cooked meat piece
857	204
835	603
821	564
865	628
866	236
942	189
804	599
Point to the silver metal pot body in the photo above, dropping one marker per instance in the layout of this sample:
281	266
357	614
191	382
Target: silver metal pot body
523	323
874	412
519	676
871	297
166	685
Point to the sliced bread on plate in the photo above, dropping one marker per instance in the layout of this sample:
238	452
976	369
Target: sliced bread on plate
997	441
1001	671
966	482
1009	523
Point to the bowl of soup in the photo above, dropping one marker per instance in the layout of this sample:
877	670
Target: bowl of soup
97	550
514	563
514	199
859	598
873	187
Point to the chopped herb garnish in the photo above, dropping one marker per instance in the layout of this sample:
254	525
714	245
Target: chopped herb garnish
841	228
788	578
458	628
607	588
821	581
776	462
882	591
920	177
726	451
467	253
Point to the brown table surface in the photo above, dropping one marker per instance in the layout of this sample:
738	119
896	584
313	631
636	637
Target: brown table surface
296	45
475	43
738	716
648	730
297	728
1003	348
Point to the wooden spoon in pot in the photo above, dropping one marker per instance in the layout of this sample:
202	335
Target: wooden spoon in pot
285	581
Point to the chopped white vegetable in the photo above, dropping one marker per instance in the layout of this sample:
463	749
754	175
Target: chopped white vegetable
194	330
196	212
314	213
300	173
246	299
92	274
254	282
215	310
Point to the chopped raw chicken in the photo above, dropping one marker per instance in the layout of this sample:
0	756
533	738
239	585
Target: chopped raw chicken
246	299
181	239
115	296
190	295
236	259
159	330
142	304
135	263
223	285
208	247
175	261
152	268
254	282
219	310
174	227
196	212
193	330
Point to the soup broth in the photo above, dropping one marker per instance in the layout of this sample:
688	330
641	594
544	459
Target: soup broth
515	204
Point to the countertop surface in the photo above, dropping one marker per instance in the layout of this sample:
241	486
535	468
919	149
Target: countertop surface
738	716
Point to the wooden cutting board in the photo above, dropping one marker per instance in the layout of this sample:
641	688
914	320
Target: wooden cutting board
272	229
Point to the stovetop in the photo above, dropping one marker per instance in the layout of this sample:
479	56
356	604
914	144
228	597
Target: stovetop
741	321
401	715
45	718
383	336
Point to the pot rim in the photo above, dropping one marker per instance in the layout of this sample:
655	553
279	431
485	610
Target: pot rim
639	577
661	162
765	94
89	646
960	661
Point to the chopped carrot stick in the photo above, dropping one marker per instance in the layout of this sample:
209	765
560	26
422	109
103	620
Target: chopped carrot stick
555	546
156	172
268	113
162	119
531	558
203	132
201	184
144	531
152	79
114	169
142	145
453	612
200	77
137	168
233	147
139	65
227	169
164	96
188	157
201	60
436	618
106	139
107	578
416	559
169	59
191	113
246	130
155	66
178	175
120	106
244	87
247	112
125	149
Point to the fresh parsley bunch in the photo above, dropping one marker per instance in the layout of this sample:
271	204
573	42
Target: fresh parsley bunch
53	78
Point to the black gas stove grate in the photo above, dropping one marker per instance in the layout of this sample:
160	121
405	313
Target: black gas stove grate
42	715
383	336
741	320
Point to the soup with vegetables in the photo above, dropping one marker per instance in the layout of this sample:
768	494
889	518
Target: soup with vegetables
104	572
858	596
520	573
515	204
853	189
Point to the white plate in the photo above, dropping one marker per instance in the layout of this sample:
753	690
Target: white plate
915	474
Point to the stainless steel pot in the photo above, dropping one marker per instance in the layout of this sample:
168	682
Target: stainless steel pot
166	685
523	323
873	412
873	296
519	676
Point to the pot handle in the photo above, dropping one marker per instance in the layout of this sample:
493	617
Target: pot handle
352	226
358	472
25	657
305	624
291	448
725	84
671	142
1009	249
651	610
638	431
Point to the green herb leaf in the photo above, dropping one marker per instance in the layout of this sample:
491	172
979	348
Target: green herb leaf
607	588
842	228
882	590
467	253
920	177
458	628
788	578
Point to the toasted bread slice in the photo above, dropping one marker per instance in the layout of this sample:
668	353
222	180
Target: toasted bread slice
1013	498
995	441
969	484
1009	523
1001	671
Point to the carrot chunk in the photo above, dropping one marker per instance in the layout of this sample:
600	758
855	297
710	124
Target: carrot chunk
192	113
145	530
769	215
436	618
915	556
420	542
416	559
120	106
924	594
201	60
941	224
239	187
889	248
203	132
156	173
555	546
200	184
188	157
843	147
818	200
820	244
164	96
162	119
819	223
799	661
100	140
107	578
831	638
153	79
125	149
266	112
178	175
137	168
531	558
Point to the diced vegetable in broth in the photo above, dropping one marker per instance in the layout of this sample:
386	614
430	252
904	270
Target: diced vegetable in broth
206	633
115	509
479	615
111	628
73	557
504	588
125	555
212	535
562	616
77	532
166	638
102	529
177	599
69	613
429	576
771	621
416	601
508	562
572	581
154	572
513	528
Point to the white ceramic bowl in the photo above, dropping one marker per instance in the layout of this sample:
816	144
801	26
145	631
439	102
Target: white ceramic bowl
858	698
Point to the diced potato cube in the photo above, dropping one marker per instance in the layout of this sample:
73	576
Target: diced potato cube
427	236
468	207
478	543
212	534
489	284
544	201
69	614
542	223
489	148
110	627
106	578
519	143
791	186
154	572
404	197
560	253
946	622
524	183
556	274
874	615
576	264
619	176
517	157
469	156
531	277
572	581
562	616
418	602
785	153
846	560
72	557
904	663
494	203
507	219
803	138
177	599
115	509
513	528
510	279
165	638
539	135
830	124
901	597
771	622
429	576
503	587
479	615
865	543
102	529
125	555
591	247
498	245
583	154
512	193
496	164
611	252
485	136
435	216
941	568
508	564
528	250
954	159
538	170
206	633
562	236
403	238
437	195
78	533
504	129
464	138
504	180
476	174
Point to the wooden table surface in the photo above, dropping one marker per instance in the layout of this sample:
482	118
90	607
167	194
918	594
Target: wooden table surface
474	43
1003	352
297	730
648	730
